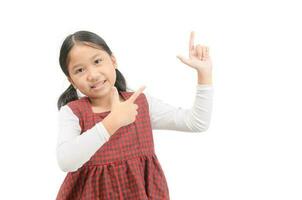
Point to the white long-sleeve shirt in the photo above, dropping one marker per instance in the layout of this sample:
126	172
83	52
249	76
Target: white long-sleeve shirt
74	149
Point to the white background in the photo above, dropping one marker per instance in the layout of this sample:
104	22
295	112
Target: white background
252	149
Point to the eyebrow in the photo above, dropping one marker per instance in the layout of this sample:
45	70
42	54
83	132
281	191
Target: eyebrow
77	65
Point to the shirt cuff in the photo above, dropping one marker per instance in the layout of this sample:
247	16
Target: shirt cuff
204	86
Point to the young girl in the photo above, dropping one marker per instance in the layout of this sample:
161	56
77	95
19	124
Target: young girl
105	140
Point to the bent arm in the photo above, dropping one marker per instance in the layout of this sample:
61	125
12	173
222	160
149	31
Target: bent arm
74	149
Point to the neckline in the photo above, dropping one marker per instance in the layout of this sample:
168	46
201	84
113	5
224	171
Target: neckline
105	112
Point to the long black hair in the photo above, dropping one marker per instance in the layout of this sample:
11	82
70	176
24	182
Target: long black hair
70	94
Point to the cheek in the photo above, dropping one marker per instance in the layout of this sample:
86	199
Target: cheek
81	82
112	76
111	80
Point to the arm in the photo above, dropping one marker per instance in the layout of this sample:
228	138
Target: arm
74	149
195	119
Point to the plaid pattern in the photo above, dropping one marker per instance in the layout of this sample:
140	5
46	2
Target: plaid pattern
124	168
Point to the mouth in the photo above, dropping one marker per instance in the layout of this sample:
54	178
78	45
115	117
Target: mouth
98	84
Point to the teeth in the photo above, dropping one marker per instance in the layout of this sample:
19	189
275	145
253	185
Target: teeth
99	83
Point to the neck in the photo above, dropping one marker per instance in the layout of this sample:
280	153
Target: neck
104	102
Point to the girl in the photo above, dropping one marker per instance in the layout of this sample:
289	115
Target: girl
105	140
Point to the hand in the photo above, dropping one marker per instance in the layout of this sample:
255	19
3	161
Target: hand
199	58
124	112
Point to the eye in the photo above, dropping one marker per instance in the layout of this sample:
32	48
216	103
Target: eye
79	70
97	61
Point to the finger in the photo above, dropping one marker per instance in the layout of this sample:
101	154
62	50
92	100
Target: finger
204	51
136	94
199	51
191	44
115	96
207	52
135	106
183	59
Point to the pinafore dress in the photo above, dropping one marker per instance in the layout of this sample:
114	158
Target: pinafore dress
123	168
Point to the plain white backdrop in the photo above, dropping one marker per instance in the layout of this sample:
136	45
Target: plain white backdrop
252	149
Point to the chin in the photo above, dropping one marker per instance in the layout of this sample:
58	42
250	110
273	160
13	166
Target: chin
100	93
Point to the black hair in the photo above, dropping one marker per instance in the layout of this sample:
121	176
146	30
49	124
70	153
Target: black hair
70	94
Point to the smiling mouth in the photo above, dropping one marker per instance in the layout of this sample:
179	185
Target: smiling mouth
98	85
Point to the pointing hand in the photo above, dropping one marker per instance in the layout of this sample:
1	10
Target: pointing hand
125	112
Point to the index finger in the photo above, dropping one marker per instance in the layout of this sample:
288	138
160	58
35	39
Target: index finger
134	96
191	43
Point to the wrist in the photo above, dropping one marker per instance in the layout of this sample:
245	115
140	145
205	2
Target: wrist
204	77
110	123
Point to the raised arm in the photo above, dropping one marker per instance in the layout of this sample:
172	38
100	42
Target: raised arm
194	119
197	118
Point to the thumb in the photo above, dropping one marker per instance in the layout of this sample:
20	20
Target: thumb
115	96
183	59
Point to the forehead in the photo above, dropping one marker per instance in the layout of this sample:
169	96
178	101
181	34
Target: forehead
81	53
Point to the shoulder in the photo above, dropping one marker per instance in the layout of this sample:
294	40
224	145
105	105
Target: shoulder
66	115
77	102
73	108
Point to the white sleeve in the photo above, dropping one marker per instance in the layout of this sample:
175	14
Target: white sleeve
74	149
195	119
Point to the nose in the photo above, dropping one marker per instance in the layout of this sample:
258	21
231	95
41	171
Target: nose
93	74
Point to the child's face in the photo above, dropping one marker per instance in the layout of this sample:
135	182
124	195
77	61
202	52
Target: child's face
88	66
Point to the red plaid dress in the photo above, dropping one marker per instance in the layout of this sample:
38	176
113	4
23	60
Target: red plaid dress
124	168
